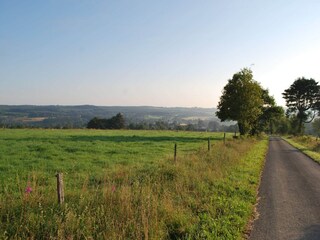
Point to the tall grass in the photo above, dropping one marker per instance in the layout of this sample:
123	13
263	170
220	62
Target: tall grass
201	196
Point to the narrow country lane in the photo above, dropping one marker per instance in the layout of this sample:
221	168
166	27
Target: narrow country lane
289	205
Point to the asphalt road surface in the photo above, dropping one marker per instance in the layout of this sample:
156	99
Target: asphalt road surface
289	205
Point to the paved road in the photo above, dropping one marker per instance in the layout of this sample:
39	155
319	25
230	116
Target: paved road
289	205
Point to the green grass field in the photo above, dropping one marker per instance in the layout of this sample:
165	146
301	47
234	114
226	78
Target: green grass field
81	152
124	184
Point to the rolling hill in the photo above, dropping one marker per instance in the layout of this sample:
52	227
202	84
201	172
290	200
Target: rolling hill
78	116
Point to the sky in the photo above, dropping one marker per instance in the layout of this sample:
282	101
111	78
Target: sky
170	53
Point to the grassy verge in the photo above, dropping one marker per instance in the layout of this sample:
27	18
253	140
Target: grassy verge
201	196
307	144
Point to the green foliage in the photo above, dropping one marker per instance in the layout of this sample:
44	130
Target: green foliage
116	122
245	101
271	114
316	126
295	127
286	125
281	125
123	184
303	99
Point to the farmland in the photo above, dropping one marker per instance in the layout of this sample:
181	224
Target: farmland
124	184
79	151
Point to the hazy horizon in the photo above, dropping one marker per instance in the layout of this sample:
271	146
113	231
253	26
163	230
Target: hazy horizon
143	53
79	105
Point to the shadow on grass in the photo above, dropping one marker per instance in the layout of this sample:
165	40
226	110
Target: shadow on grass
119	138
141	139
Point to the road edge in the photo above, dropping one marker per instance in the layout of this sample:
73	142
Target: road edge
255	214
300	150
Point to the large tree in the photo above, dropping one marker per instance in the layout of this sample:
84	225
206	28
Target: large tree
303	100
241	101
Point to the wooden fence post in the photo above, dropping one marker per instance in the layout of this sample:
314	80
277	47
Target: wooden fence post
224	138
60	189
209	145
175	152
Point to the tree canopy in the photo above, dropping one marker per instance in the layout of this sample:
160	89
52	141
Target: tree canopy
116	122
245	101
303	100
241	101
270	113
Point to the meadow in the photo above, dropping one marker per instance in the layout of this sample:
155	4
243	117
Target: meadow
124	184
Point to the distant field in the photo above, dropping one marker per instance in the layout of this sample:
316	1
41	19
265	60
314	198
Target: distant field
79	116
124	184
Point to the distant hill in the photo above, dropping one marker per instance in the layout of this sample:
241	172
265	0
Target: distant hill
78	116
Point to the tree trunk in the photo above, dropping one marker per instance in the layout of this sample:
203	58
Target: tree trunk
241	129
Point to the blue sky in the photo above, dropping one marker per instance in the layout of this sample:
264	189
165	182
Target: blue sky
159	53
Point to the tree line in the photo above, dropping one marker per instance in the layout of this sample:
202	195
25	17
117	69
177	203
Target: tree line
244	100
119	122
116	122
